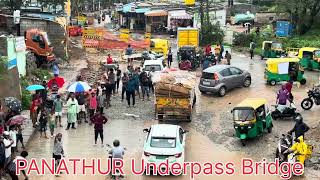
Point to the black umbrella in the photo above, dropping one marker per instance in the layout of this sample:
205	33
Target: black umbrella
13	103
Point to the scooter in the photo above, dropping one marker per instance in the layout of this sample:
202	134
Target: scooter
287	112
284	144
313	98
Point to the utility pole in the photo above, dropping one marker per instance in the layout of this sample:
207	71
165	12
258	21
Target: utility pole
67	9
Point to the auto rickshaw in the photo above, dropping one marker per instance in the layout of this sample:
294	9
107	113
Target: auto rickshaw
271	49
251	119
284	69
160	46
308	59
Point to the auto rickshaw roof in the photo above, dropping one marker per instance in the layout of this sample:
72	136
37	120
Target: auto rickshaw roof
281	60
308	49
267	42
252	102
159	40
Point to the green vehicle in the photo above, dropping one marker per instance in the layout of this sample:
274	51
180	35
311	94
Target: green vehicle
252	118
309	58
284	69
271	49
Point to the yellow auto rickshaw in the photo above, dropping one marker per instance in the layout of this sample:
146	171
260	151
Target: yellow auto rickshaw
271	49
252	118
160	46
284	69
309	58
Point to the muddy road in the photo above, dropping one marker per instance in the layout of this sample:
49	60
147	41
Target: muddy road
211	136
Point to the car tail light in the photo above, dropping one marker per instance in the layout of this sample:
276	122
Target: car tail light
215	76
178	155
146	153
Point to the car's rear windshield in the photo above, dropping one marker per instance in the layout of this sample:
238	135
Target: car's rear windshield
160	142
156	67
207	75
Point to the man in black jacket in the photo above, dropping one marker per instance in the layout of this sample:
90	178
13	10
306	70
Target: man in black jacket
299	128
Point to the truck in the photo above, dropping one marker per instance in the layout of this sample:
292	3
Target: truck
174	95
39	44
188	37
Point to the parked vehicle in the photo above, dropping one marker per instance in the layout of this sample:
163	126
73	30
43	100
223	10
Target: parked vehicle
309	58
251	119
187	37
285	142
222	78
284	69
288	112
271	49
39	44
156	64
313	98
164	141
160	46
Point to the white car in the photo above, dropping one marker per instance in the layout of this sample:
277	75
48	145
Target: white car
162	142
157	64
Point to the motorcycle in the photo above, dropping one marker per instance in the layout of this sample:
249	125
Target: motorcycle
117	174
313	98
287	112
284	144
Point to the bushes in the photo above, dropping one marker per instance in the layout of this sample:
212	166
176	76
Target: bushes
211	34
241	39
41	74
26	96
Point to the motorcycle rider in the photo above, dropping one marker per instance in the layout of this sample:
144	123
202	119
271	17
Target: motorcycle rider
282	98
299	128
300	149
116	152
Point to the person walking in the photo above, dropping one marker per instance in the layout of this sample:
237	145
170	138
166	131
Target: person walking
145	85
13	135
101	101
72	111
136	75
130	91
7	141
129	52
20	137
11	168
35	108
251	49
58	151
58	104
151	75
208	50
125	79
93	104
118	78
108	90
43	123
81	98
228	57
52	122
2	156
169	57
98	120
112	80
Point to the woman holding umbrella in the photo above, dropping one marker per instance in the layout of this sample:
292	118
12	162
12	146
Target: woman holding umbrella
35	109
73	108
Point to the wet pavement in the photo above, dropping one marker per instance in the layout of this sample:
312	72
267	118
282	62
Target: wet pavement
211	137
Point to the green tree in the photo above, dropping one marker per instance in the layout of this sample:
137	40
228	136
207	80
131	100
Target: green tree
302	12
209	33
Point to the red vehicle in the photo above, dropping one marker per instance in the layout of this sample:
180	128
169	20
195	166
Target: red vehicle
75	30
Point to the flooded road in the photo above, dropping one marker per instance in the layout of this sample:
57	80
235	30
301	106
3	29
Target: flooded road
211	137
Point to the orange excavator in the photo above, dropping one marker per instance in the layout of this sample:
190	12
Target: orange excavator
39	44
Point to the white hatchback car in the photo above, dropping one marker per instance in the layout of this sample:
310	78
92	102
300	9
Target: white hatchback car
162	142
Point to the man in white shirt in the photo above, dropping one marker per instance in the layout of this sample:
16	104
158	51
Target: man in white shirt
13	136
8	143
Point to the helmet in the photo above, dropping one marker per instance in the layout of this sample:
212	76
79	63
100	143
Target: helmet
298	118
116	143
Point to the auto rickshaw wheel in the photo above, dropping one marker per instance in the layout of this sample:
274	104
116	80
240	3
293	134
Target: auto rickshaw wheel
243	142
269	129
303	81
272	82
